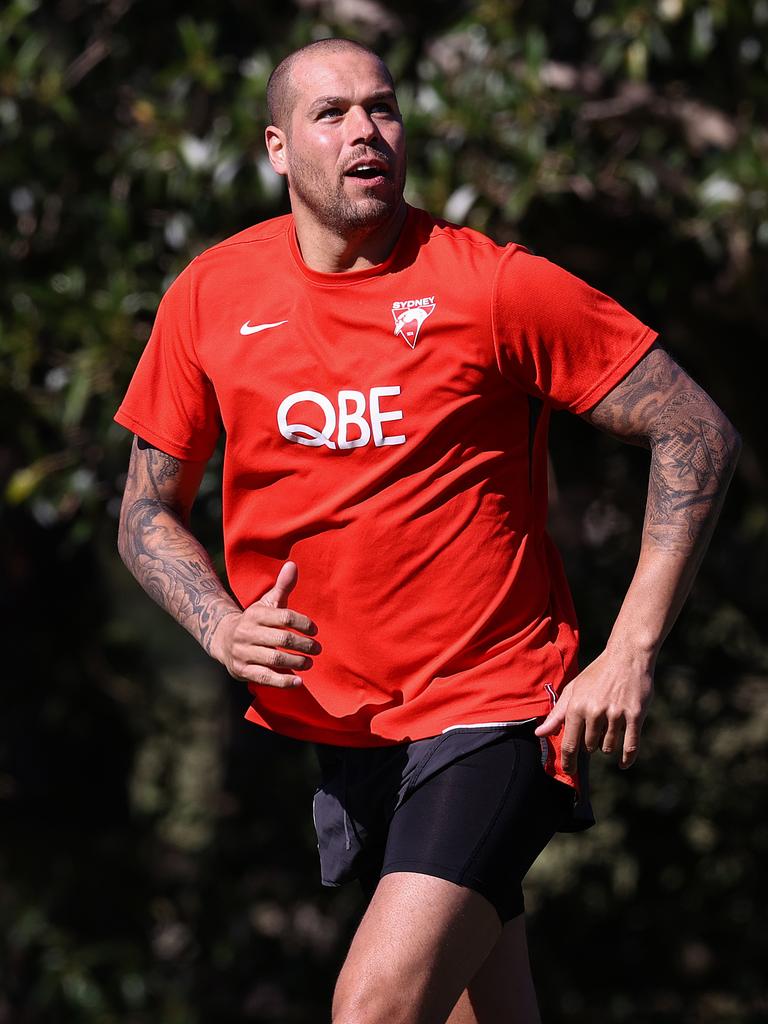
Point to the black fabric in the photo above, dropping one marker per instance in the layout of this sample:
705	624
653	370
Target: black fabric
473	806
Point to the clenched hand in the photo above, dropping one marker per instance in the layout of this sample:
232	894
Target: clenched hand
268	643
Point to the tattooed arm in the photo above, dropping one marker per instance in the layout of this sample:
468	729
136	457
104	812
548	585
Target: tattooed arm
694	449
157	546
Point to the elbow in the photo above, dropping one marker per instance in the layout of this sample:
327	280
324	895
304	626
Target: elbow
724	454
123	536
737	445
122	544
733	443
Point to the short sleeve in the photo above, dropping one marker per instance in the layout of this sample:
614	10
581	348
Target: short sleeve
170	401
556	337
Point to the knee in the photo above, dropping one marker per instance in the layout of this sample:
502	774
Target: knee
356	1015
365	1015
349	1011
348	1015
364	1005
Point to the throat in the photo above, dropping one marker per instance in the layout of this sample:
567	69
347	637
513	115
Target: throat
331	251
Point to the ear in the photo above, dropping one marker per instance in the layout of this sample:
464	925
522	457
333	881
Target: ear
276	148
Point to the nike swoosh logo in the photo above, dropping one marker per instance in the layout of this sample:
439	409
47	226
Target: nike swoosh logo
248	328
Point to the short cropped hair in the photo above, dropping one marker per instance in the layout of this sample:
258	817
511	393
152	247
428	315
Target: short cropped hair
281	92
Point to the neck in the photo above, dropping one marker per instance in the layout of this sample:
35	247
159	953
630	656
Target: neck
329	252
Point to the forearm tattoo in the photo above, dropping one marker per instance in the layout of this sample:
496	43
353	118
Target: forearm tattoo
694	449
157	547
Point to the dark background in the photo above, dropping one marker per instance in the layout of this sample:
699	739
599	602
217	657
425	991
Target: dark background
157	857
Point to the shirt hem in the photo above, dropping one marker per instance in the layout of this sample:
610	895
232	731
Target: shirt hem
178	451
487	725
617	372
538	708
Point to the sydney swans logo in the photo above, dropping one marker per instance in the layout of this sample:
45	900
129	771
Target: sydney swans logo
409	317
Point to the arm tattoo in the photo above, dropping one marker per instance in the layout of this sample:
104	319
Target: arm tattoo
167	467
160	551
693	449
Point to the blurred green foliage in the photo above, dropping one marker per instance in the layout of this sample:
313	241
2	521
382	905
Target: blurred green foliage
158	855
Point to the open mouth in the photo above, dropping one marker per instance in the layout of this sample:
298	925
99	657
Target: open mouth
364	170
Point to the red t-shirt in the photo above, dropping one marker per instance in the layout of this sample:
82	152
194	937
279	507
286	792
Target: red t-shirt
386	429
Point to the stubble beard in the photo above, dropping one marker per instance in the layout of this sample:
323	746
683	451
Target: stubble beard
333	208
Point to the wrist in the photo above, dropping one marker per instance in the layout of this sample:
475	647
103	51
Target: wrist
219	640
636	647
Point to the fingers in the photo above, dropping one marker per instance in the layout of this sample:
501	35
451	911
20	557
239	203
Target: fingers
556	717
270	645
286	580
600	731
258	615
268	666
595	728
274	649
565	714
573	738
611	734
594	725
631	743
254	635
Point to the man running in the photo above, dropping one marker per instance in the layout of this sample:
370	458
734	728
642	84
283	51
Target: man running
385	382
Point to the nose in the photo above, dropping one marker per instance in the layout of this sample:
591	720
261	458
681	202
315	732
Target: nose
361	125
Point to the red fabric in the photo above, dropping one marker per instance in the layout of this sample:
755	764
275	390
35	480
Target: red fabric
417	519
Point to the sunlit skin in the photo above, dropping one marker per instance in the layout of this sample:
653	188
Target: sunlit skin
429	950
345	115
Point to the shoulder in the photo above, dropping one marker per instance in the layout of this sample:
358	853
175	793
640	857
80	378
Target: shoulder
228	261
451	244
255	241
445	234
532	282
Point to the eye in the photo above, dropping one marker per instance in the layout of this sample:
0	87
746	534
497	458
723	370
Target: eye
382	107
330	112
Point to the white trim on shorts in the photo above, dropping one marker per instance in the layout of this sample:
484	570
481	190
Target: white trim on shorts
489	725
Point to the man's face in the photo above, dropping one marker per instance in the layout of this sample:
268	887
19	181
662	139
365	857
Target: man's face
344	148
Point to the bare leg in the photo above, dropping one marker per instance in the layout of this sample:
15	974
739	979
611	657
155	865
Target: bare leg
419	945
502	991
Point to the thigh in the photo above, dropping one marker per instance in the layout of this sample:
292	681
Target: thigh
502	989
421	941
480	822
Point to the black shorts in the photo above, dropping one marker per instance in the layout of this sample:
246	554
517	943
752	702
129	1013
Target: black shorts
473	806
